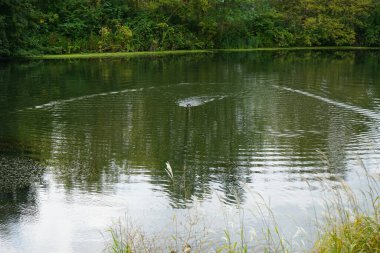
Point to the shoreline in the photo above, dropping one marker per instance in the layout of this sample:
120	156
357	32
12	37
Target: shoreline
182	52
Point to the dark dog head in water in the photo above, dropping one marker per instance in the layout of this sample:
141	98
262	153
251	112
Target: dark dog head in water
188	105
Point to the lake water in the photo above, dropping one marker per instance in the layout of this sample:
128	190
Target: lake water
235	128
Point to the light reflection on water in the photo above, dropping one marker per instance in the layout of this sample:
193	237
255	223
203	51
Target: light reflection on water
272	124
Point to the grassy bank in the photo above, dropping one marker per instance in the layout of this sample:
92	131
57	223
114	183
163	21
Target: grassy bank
118	54
297	49
181	52
348	225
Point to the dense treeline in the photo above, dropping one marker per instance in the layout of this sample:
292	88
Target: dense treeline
72	26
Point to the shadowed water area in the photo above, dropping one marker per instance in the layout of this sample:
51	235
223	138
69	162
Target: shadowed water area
88	140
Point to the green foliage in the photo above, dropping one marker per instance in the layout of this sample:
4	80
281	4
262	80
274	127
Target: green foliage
323	30
325	23
18	25
78	26
122	37
115	41
371	32
360	235
269	30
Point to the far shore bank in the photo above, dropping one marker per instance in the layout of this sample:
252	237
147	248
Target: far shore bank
180	52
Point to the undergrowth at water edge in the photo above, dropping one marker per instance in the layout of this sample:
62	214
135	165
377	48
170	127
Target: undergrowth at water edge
351	224
359	235
350	227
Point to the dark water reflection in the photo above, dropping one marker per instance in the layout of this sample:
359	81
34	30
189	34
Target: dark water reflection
104	129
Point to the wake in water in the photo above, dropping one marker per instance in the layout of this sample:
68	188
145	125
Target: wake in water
356	109
61	102
64	101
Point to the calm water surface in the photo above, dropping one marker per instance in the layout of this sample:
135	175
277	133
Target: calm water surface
231	125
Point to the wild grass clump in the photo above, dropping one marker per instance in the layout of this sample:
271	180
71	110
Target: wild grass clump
360	235
352	219
128	238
